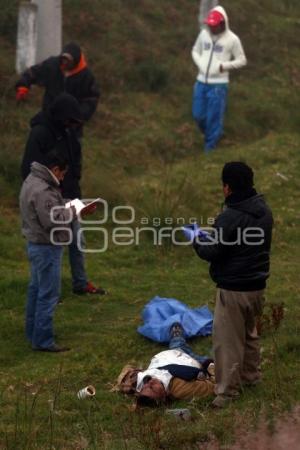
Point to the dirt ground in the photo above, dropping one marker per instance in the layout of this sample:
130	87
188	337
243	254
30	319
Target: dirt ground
284	436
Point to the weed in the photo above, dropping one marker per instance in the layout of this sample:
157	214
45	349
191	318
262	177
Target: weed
271	318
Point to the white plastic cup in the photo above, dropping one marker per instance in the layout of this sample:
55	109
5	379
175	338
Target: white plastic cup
88	391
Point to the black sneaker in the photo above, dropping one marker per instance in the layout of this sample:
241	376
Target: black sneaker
53	349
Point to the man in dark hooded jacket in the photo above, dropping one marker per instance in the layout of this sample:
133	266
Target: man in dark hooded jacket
238	250
68	73
56	127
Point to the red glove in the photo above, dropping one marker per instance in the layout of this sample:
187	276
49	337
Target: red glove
22	93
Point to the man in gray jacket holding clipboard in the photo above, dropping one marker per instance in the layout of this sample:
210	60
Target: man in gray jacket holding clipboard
42	207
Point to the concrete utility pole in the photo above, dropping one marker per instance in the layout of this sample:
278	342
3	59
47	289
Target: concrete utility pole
49	28
26	37
205	7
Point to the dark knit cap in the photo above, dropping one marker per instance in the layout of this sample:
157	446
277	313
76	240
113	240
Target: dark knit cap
238	176
74	50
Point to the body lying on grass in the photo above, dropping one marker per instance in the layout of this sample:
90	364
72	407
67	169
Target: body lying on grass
177	373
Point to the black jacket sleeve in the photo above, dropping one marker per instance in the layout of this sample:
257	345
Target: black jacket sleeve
36	74
223	232
37	145
88	95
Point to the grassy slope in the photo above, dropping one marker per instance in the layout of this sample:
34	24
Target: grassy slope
142	149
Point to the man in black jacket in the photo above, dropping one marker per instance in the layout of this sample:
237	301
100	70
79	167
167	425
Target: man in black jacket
56	127
68	73
238	250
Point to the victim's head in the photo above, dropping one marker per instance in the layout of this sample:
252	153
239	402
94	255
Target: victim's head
152	393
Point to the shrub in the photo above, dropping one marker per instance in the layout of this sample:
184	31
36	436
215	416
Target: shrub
148	76
8	18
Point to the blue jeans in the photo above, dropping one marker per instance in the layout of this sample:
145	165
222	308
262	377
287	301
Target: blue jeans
76	259
43	293
180	342
209	104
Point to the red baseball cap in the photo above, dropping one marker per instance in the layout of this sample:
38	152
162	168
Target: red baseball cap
214	18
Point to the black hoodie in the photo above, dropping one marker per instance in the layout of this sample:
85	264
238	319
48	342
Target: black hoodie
244	265
48	74
48	131
74	50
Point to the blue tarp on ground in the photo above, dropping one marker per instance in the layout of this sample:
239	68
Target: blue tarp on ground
160	313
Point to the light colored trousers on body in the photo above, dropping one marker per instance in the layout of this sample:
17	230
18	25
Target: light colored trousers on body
235	339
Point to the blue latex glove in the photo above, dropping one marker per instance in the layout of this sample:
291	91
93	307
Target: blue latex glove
202	233
189	231
192	231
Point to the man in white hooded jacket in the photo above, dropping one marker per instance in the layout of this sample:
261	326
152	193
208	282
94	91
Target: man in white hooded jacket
216	52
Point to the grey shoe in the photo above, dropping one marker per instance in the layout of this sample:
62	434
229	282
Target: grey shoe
176	330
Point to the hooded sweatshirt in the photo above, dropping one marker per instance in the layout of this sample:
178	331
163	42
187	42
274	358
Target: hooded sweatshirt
48	131
79	82
39	194
211	51
74	50
240	252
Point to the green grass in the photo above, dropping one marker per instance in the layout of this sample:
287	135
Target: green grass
142	149
102	332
